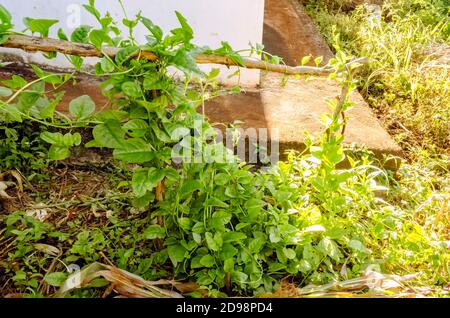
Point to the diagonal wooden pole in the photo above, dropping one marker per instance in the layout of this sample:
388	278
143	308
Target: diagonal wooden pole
47	45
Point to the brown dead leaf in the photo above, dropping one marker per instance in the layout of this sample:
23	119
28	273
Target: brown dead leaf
3	194
122	282
48	249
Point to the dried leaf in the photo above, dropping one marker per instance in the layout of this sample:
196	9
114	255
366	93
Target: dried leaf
40	214
48	249
3	194
123	282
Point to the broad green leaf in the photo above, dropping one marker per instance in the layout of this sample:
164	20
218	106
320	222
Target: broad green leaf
276	266
195	262
81	107
254	207
62	35
106	65
81	34
213	201
155	176
70	140
134	151
52	138
207	261
146	179
357	245
185	223
5	92
126	53
43	108
221	178
190	186
98	37
241	226
177	254
153	82
92	10
280	255
26	101
41	26
160	133
55	279
154	29
144	201
212	244
239	277
98	283
47	77
274	234
306	59
185	61
233	237
256	244
77	62
213	74
311	255
185	26
67	140
113	114
304	266
198	228
188	245
13	114
236	90
289	252
109	134
197	238
228	265
328	247
136	127
57	152
140	183
136	124
154	232
132	89
5	16
15	82
4	37
228	251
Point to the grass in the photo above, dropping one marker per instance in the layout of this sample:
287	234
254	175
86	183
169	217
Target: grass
407	83
408	79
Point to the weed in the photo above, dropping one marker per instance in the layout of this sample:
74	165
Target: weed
229	229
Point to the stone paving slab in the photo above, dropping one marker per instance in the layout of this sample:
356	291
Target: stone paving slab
298	105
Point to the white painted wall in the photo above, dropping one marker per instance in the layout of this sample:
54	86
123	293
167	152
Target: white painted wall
239	22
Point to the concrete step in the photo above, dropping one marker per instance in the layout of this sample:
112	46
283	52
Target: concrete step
298	105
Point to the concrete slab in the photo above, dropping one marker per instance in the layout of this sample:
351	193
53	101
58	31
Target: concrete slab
297	106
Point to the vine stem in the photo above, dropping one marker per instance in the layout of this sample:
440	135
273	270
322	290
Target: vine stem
48	124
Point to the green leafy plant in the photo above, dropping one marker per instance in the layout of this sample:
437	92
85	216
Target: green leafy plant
219	223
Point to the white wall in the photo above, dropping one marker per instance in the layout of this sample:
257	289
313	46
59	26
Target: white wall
236	21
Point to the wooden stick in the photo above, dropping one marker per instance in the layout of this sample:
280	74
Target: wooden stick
47	45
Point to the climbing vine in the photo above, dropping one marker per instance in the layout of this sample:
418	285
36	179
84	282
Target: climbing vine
216	221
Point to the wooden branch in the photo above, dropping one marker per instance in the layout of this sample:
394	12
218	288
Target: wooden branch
48	45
